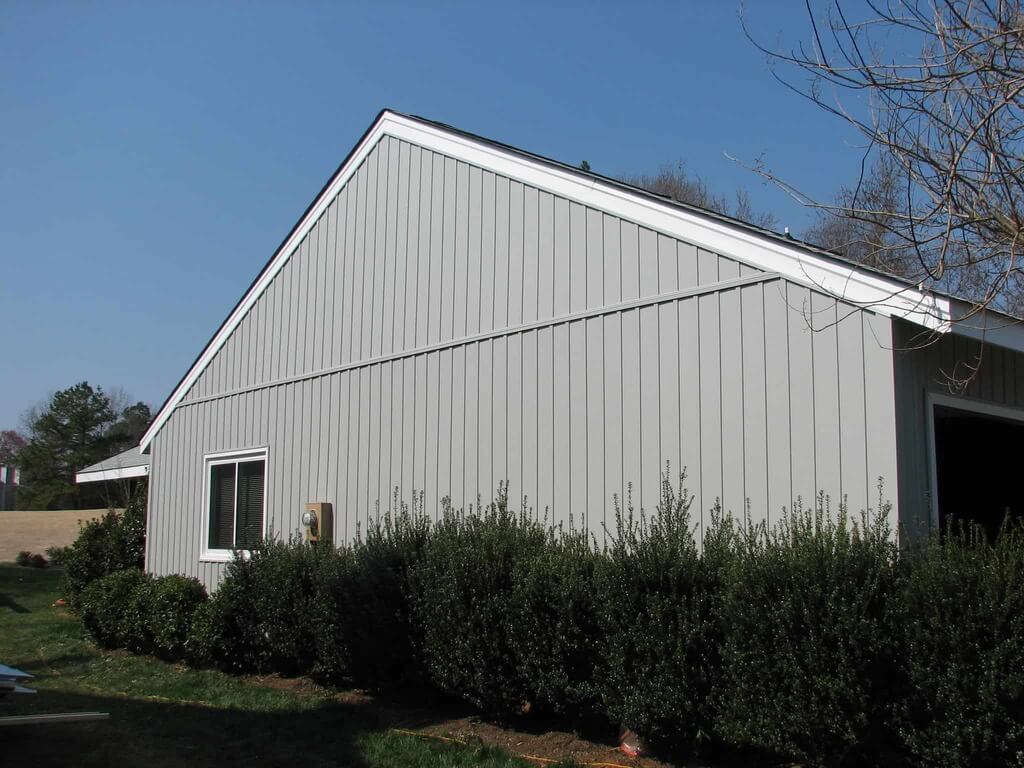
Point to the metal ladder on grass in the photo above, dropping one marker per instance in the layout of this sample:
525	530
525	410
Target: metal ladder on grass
11	680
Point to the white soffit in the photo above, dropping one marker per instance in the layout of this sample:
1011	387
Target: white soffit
865	289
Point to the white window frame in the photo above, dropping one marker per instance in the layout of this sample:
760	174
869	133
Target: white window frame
210	461
970	405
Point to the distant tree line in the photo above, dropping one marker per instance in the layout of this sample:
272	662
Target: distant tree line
72	429
675	182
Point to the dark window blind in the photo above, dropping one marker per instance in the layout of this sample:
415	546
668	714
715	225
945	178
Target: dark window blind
250	504
222	506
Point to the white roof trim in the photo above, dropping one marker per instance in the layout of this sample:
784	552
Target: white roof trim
120	473
856	286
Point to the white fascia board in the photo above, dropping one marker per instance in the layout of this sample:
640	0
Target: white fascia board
864	289
119	473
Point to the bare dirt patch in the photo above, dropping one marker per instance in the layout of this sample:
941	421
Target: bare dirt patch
541	747
35	531
409	713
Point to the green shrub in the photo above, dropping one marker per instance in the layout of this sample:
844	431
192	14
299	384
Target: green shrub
112	543
112	609
659	643
37	561
57	555
465	604
202	641
808	647
225	631
262	611
329	619
364	627
961	610
23	558
133	610
171	604
555	627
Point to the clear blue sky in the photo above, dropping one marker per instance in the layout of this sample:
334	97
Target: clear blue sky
153	156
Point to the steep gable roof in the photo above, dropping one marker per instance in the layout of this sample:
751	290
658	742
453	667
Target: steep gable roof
757	247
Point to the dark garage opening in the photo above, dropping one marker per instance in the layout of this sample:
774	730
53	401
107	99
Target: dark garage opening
977	472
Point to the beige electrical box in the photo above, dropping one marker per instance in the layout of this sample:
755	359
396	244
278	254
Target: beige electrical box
318	521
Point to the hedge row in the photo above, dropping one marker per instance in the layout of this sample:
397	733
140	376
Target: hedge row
814	640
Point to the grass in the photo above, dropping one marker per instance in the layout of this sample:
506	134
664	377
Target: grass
164	715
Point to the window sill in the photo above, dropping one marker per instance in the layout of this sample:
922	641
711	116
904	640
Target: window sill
222	555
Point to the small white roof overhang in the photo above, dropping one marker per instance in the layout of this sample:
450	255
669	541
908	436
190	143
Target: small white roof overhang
125	465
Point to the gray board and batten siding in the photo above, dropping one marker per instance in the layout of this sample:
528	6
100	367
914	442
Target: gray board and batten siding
442	328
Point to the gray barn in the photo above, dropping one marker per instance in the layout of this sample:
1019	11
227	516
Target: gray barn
451	313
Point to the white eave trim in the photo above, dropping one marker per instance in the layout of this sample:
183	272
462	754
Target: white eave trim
119	473
858	287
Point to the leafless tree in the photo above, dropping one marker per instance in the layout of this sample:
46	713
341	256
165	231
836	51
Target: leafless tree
675	182
11	442
941	200
118	398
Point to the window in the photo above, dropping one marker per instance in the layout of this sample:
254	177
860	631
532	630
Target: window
236	498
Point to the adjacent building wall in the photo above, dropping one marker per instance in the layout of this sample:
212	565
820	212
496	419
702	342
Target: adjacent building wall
443	329
948	365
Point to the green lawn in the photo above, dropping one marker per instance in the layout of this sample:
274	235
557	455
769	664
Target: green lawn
168	715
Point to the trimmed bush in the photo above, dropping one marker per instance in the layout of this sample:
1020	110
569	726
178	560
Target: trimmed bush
961	612
112	608
659	641
330	621
23	558
555	628
808	637
133	610
202	641
465	604
112	543
171	603
261	614
224	631
364	627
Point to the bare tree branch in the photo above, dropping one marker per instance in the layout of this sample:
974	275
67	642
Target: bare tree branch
941	200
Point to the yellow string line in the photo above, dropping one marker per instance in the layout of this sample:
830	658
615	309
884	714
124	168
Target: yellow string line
428	736
539	759
126	695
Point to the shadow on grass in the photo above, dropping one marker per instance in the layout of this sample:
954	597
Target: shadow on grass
49	664
155	734
6	601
